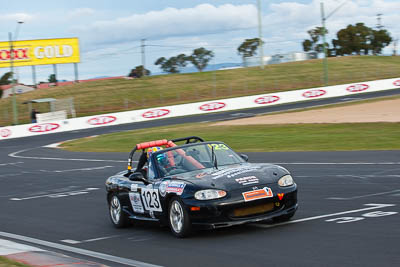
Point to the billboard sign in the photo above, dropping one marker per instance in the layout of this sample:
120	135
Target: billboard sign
40	52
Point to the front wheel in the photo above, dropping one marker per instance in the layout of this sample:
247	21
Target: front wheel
118	218
179	220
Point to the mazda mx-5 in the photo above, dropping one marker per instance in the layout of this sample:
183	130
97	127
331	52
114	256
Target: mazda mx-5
196	185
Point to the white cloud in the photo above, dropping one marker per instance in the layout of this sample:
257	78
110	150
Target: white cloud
199	20
24	17
292	20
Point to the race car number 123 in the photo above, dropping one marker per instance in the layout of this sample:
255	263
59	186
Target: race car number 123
151	200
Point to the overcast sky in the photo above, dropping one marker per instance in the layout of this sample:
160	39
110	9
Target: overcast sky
110	31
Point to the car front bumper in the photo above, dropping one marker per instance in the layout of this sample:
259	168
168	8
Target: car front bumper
221	213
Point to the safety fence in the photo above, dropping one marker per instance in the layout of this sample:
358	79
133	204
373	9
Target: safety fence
236	103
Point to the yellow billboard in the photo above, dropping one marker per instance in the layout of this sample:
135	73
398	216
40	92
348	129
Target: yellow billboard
40	52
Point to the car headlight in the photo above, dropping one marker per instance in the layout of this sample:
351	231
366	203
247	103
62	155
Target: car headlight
286	180
209	194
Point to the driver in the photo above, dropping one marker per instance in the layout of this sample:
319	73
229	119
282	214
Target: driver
144	160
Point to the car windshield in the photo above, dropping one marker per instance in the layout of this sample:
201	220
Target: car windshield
195	157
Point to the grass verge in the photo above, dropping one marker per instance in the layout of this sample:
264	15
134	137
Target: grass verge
258	138
100	97
4	262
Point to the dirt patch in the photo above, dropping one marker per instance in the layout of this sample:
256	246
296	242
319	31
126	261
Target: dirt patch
381	111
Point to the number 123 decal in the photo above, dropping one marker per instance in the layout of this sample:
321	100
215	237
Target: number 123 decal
151	199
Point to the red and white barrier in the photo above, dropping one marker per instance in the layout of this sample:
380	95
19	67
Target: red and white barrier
197	108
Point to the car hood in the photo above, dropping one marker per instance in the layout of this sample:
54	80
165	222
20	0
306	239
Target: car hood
234	176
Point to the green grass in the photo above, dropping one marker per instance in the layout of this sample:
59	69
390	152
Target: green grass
4	262
259	138
119	95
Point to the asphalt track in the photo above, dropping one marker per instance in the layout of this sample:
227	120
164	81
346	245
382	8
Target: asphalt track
348	215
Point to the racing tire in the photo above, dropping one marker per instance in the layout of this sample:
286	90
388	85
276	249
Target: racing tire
178	218
118	217
283	218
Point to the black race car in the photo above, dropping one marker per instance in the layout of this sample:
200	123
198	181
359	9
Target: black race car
198	184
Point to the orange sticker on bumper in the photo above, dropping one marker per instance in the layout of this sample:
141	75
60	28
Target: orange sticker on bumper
257	194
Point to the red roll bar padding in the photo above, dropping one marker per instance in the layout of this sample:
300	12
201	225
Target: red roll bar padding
171	159
145	145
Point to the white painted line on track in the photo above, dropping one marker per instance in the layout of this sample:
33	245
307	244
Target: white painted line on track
372	207
15	155
59	194
8	247
70	241
369	195
79	251
73	242
82	169
361	176
11	163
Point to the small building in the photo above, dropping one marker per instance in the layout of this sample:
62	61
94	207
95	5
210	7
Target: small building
19	89
281	58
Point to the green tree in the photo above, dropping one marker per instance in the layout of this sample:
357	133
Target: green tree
138	71
6	78
173	64
360	40
354	39
315	42
200	58
249	48
52	78
380	39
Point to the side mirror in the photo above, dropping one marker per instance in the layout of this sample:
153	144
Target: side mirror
138	176
245	157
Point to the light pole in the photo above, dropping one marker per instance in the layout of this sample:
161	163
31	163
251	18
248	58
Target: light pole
12	55
261	48
323	19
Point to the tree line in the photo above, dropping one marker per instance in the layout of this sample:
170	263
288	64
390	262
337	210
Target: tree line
355	39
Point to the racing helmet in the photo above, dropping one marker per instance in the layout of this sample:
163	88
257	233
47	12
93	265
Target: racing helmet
151	150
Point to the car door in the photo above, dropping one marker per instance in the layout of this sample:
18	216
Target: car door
144	196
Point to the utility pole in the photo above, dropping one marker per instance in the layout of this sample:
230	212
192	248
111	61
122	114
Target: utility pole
143	58
379	21
323	19
261	47
14	97
395	47
325	63
12	55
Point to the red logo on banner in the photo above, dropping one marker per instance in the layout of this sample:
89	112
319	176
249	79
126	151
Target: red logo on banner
212	106
100	120
396	83
19	54
267	99
45	127
357	88
5	133
314	93
155	113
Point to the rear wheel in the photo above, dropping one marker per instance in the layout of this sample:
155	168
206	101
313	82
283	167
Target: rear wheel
283	218
118	218
178	218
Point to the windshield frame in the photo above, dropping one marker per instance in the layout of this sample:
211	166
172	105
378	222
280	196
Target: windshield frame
156	167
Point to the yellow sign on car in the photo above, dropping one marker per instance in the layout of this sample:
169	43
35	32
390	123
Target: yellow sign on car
40	52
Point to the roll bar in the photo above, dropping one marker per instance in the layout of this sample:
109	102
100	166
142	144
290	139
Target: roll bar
163	142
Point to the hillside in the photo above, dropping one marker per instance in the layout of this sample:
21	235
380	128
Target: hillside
119	95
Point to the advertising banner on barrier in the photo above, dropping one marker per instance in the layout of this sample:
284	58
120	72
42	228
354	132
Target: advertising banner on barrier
40	52
236	103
